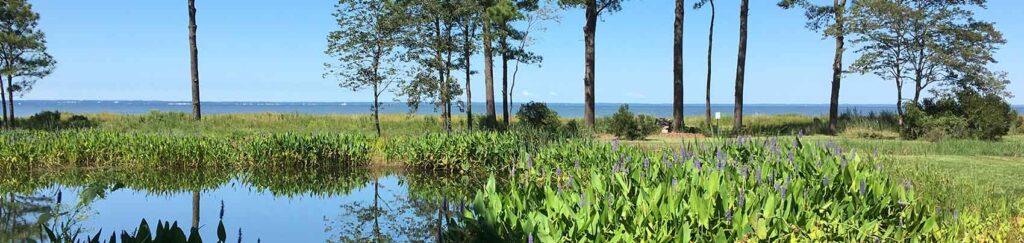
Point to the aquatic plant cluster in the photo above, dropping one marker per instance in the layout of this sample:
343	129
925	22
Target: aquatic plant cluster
461	152
94	149
729	190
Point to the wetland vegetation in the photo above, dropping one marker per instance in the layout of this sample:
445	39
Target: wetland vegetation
525	183
940	168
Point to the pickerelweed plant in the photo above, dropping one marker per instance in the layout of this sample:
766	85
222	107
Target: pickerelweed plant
454	152
727	190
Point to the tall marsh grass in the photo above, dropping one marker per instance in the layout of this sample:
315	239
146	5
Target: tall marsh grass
108	149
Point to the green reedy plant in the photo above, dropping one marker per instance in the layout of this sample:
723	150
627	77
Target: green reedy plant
306	150
752	190
88	148
459	151
109	149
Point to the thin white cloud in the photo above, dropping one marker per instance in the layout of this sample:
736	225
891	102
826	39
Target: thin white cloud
526	93
553	93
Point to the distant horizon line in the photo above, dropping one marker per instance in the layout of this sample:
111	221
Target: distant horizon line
566	103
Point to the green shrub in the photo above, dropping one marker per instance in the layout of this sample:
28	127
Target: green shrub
913	119
964	115
989	117
623	124
51	120
538	115
938	128
489	125
1018	127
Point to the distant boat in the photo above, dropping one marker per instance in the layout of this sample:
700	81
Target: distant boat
344	104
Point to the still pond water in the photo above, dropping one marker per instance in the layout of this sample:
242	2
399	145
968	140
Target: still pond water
319	206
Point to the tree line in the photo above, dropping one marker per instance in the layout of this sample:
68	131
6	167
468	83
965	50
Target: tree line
415	49
384	44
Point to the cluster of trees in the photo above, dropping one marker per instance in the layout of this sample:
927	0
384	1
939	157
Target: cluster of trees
413	48
385	44
23	56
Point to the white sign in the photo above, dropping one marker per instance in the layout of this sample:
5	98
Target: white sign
718	115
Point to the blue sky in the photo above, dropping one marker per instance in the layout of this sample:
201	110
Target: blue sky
271	50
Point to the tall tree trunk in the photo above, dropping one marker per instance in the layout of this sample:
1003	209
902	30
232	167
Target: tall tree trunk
741	65
195	210
11	122
707	88
837	67
376	108
491	117
677	69
448	77
467	53
918	86
3	102
589	30
442	80
899	101
194	56
504	81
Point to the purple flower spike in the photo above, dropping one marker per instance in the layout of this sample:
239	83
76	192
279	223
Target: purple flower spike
863	186
696	163
577	164
783	192
675	182
742	199
824	181
842	163
558	171
647	163
529	162
728	216
615	145
529	239
757	175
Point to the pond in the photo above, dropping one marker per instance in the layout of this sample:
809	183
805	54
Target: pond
268	206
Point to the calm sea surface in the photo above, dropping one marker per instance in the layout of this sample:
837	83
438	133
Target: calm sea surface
29	107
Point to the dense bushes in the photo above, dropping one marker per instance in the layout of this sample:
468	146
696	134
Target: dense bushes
52	120
965	115
537	115
623	124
